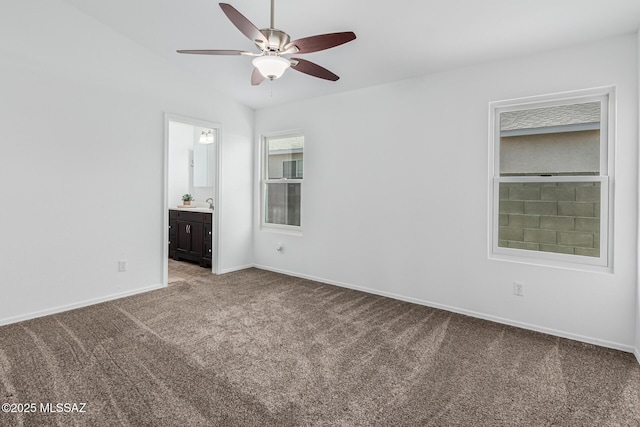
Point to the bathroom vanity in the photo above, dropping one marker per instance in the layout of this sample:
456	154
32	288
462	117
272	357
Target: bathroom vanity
190	235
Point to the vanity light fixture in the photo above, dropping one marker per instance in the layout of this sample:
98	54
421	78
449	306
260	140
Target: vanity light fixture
206	137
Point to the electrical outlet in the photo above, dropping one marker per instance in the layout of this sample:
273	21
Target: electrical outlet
518	289
122	265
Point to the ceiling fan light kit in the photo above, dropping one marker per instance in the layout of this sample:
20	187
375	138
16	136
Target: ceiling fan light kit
274	44
271	66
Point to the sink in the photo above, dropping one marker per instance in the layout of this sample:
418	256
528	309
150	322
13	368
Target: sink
194	208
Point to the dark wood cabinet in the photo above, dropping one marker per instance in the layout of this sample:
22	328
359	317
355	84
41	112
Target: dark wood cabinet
207	251
190	236
173	226
190	244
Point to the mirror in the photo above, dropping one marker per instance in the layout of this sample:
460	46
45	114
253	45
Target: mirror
203	167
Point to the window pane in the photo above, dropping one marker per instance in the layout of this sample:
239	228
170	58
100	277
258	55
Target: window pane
562	217
292	169
283	203
558	140
284	157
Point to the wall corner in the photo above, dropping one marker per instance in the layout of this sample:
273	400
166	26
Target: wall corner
637	317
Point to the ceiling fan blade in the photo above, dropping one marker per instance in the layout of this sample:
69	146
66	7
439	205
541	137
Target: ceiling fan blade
320	42
217	52
243	24
256	77
312	69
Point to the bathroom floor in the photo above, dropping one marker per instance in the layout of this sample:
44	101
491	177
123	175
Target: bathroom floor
180	271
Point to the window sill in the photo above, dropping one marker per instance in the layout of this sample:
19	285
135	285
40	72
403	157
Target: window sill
281	230
553	260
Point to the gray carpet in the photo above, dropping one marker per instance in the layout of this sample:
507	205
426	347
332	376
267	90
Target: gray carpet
254	348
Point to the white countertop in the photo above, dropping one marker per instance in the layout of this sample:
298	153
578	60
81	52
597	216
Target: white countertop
193	209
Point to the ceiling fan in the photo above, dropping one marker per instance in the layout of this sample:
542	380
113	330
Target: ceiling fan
274	44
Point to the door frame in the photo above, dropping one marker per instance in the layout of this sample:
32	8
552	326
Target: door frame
215	244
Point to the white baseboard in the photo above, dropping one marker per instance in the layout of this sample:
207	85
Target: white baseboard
80	304
536	328
555	332
636	352
237	268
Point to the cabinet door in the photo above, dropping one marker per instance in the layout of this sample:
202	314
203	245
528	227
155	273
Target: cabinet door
183	237
189	239
208	240
196	233
208	233
173	226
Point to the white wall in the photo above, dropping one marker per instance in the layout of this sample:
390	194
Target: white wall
81	130
395	194
637	347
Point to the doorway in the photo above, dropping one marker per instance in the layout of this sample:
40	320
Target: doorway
191	167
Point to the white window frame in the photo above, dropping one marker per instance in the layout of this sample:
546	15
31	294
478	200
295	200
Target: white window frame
606	96
264	178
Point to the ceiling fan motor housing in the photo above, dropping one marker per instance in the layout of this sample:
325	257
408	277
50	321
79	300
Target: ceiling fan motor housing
277	40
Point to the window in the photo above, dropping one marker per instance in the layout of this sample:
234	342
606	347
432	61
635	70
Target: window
292	168
282	181
551	173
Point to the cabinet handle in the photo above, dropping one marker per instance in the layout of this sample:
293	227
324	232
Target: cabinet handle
209	250
169	226
209	233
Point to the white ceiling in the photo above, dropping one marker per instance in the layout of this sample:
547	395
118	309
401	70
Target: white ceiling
395	39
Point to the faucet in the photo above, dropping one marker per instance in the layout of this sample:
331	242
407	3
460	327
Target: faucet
210	203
